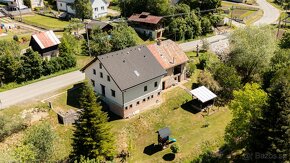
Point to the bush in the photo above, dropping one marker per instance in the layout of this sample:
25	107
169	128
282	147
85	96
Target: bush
9	126
40	140
16	38
175	148
191	67
24	39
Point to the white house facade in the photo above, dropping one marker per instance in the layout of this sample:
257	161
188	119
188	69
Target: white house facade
99	7
129	80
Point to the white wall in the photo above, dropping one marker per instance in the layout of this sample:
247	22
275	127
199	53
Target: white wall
98	80
61	6
137	93
100	8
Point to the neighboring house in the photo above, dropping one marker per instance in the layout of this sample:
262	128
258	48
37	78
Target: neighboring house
15	5
105	27
172	59
99	7
147	24
45	43
129	80
36	3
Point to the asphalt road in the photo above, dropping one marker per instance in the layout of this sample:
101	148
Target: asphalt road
21	94
220	43
271	14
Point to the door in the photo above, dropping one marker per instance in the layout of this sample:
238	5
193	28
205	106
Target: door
163	85
103	90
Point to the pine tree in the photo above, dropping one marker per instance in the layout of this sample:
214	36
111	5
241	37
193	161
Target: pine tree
92	137
271	133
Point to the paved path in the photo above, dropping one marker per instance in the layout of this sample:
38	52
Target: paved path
271	14
220	43
31	91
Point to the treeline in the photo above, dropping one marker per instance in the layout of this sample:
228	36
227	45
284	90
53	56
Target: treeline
15	67
254	81
163	7
187	26
121	36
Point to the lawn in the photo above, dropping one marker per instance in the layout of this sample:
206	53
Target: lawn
137	133
45	22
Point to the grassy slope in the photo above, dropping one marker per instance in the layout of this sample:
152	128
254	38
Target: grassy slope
45	22
139	131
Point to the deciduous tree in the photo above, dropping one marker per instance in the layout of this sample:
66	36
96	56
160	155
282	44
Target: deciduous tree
245	106
83	9
251	50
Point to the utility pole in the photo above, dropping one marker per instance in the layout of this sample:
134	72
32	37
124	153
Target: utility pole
231	10
279	24
88	39
19	10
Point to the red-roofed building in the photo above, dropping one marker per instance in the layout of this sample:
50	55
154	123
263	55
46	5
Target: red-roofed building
172	59
147	24
45	43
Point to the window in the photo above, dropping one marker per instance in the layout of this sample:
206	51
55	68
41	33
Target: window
155	84
152	96
113	93
145	88
131	106
148	98
94	71
93	82
144	99
101	74
158	93
100	65
96	9
103	90
126	108
108	78
137	103
103	8
60	4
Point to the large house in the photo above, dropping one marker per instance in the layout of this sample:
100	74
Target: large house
147	24
172	59
128	80
45	43
131	80
99	7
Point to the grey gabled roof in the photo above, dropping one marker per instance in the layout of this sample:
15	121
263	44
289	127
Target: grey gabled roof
164	132
131	66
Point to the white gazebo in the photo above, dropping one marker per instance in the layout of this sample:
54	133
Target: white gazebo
204	95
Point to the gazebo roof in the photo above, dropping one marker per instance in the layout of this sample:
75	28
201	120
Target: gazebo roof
164	132
203	94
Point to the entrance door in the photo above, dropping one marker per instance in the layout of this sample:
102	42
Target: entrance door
179	78
103	90
163	85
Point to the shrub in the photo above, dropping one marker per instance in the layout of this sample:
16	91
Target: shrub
191	67
40	139
16	38
9	126
24	39
175	148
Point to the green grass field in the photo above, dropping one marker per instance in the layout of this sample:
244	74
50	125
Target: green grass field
45	22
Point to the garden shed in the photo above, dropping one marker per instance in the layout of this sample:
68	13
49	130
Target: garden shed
204	96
